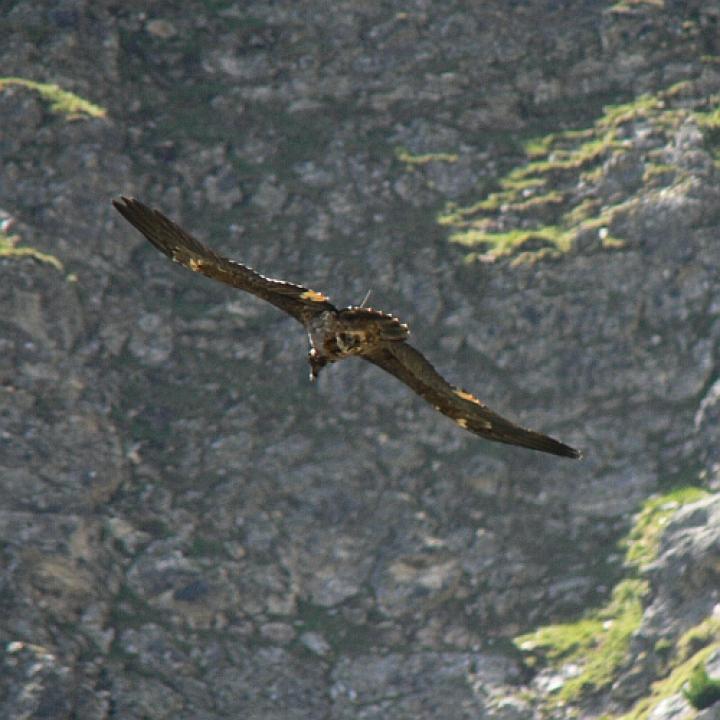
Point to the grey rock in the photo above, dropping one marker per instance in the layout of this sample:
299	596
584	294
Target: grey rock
676	706
371	686
711	713
270	196
316	643
277	633
188	529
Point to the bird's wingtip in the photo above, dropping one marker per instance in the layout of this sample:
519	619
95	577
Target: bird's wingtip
120	202
559	448
574	453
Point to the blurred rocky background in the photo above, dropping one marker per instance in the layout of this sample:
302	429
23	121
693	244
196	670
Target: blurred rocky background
189	529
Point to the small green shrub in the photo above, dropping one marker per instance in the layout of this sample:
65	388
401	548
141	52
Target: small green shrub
701	690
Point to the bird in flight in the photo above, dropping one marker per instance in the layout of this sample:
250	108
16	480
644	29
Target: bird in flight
335	334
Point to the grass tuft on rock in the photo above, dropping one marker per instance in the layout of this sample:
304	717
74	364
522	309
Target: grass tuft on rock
8	248
405	156
61	102
567	174
596	645
641	544
701	690
591	651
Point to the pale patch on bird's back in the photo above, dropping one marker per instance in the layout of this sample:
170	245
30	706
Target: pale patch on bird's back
466	396
313	295
462	422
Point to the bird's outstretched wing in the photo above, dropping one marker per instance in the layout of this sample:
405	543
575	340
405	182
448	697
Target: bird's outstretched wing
410	366
183	248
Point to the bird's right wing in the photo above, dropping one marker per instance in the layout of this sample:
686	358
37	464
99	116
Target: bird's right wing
410	366
183	248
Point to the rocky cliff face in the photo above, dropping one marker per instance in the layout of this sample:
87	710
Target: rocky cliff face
190	529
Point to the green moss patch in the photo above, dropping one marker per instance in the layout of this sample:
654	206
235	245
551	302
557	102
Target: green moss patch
523	244
409	158
62	102
592	650
631	6
597	643
641	544
677	679
547	196
701	690
8	248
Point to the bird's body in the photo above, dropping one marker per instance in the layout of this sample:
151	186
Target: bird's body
336	334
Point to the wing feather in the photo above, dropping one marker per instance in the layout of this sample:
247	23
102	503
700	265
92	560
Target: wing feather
411	367
183	248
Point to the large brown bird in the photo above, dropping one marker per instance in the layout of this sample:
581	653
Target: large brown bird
336	334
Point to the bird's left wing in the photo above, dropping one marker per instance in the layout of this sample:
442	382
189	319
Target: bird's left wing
183	248
410	366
